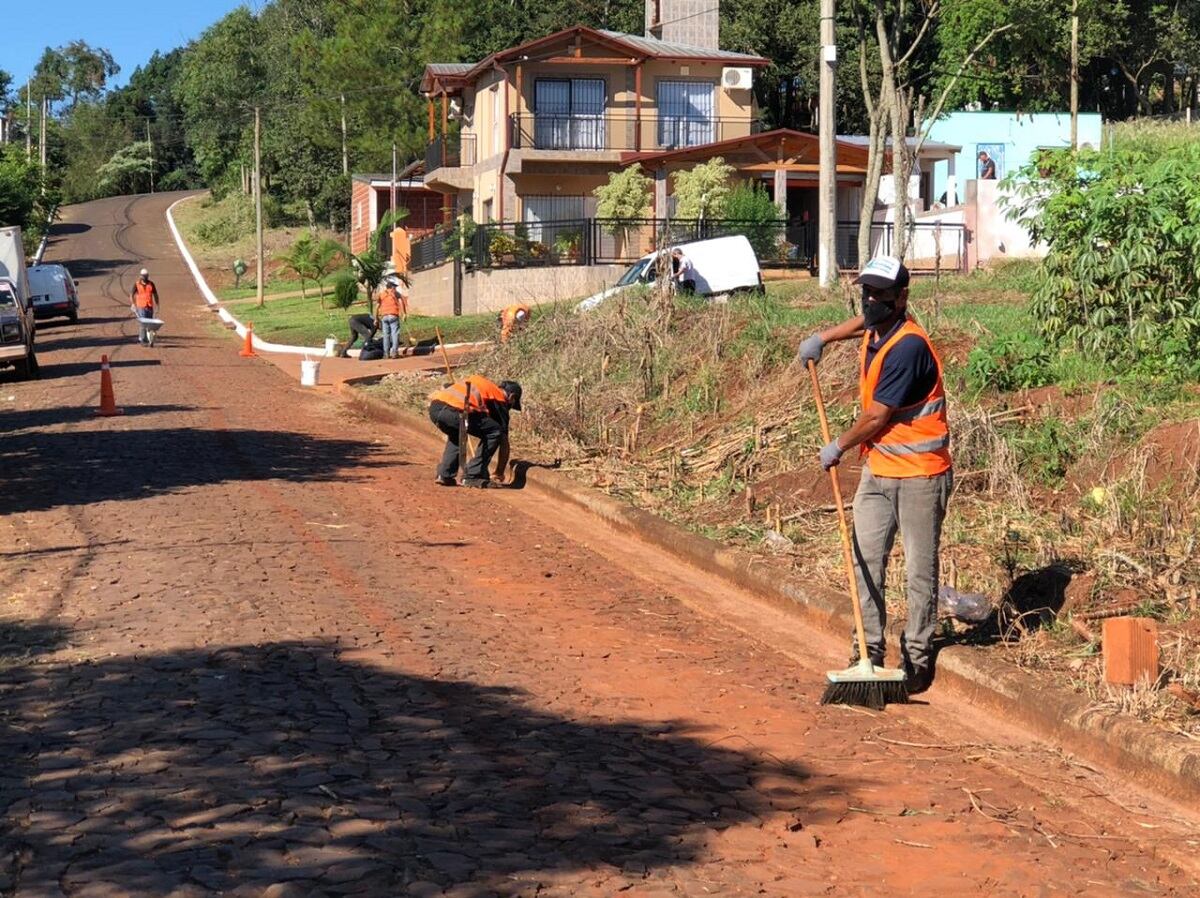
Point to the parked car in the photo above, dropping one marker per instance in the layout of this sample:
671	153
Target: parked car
17	326
53	292
719	265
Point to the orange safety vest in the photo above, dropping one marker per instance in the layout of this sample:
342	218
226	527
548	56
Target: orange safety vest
480	389
390	302
508	320
144	294
915	442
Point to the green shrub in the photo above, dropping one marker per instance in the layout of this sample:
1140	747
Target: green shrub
1121	279
749	203
1012	362
345	289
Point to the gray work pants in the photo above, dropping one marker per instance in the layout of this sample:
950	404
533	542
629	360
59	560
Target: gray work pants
916	506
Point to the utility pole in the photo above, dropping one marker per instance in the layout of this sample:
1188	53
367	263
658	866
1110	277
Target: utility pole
827	139
258	221
345	149
28	120
150	143
42	145
1074	75
392	208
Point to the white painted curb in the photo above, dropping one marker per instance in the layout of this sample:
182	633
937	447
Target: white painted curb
211	298
223	314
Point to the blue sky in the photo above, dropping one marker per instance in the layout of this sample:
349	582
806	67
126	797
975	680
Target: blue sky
131	29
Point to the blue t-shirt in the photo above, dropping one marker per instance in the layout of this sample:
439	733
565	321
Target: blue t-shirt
909	369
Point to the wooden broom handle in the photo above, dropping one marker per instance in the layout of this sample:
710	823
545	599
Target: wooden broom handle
843	526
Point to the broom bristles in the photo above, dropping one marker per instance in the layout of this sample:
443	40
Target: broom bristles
873	694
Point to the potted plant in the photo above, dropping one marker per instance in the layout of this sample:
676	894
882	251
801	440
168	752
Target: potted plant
538	251
503	248
567	243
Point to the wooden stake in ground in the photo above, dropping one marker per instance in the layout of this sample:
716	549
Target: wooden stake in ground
442	345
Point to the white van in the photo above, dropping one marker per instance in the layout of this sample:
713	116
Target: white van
720	265
53	291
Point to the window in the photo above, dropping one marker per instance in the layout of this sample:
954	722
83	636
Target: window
685	114
556	208
486	215
568	114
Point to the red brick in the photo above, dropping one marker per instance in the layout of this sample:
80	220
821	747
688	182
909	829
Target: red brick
1130	650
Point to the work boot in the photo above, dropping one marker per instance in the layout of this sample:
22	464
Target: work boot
445	481
919	680
478	483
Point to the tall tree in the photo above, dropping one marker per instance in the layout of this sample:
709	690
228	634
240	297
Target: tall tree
223	77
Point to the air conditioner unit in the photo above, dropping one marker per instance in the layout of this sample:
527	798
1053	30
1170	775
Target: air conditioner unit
737	79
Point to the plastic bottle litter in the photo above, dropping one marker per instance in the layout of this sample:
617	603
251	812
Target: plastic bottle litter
969	607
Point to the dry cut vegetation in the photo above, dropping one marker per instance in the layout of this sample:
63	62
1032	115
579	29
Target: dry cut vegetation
1075	499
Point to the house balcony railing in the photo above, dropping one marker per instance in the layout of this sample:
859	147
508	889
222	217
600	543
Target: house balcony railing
779	243
654	131
450	151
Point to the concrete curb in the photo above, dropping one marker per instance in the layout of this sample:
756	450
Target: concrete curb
41	250
229	319
1169	766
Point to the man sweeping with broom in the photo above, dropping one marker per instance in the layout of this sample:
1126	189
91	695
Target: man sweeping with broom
906	480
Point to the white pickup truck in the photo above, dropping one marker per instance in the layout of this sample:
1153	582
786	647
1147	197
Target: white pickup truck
17	326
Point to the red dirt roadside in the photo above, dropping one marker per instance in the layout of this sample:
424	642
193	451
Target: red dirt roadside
248	648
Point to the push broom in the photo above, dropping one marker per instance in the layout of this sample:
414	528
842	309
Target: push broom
862	683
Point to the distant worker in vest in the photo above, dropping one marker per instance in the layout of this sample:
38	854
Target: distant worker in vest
902	434
512	319
144	297
393	306
487	406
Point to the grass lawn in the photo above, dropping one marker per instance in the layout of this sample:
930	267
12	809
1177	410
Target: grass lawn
303	322
272	285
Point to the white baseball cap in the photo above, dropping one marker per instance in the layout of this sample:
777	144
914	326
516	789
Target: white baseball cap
143	272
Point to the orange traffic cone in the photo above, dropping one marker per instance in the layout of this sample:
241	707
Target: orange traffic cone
108	403
248	350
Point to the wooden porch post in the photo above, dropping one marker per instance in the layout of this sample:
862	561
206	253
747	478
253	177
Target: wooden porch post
445	120
781	180
518	112
432	127
637	106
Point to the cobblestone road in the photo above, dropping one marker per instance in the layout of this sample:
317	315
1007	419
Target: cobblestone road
248	648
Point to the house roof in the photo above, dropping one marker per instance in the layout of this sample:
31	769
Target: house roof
448	75
405	181
934	147
656	49
782	142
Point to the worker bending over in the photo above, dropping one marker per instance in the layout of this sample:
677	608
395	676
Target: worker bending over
902	433
513	319
486	406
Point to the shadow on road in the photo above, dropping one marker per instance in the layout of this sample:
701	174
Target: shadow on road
76	467
60	414
71	369
252	765
90	268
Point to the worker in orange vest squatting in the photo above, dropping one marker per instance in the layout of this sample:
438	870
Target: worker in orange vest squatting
512	319
902	434
487	406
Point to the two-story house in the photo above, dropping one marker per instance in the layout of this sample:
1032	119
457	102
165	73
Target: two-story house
528	133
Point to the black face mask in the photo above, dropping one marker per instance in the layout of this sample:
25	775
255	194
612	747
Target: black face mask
877	312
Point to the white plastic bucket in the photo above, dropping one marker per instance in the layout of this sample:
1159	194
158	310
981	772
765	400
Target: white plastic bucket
330	347
310	372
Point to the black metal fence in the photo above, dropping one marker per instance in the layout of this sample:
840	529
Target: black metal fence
780	243
608	131
450	151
